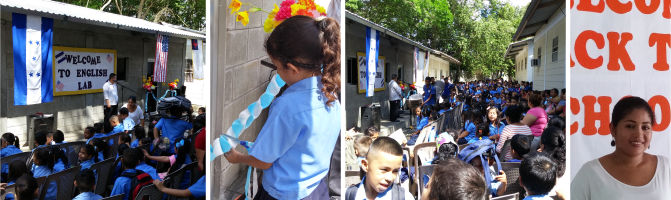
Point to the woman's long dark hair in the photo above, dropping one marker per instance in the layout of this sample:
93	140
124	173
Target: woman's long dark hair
309	44
182	152
11	139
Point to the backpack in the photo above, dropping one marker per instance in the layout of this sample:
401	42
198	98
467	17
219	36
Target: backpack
482	149
138	179
397	192
168	103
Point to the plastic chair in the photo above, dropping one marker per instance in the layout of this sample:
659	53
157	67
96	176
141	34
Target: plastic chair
507	197
113	151
424	171
117	197
423	154
9	189
23	157
111	175
72	151
64	183
102	169
175	178
512	170
151	192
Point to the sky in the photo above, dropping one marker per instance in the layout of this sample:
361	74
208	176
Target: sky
519	3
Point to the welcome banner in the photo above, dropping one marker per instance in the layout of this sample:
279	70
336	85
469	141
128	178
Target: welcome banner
619	48
82	70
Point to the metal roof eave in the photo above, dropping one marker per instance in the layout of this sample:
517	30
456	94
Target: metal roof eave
530	14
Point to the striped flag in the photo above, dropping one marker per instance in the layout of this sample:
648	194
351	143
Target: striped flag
161	63
372	45
32	43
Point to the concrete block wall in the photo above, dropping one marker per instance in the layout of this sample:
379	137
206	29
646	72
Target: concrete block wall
240	80
73	113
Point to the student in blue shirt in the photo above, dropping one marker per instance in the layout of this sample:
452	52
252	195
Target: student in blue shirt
147	169
130	160
41	140
126	122
10	146
26	187
171	127
139	133
197	190
538	175
17	168
85	182
58	137
96	132
296	142
44	166
470	127
495	124
100	147
87	156
429	95
115	122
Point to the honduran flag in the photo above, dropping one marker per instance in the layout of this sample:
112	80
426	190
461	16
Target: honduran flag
32	41
372	52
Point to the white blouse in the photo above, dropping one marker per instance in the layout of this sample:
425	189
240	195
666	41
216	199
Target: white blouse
135	116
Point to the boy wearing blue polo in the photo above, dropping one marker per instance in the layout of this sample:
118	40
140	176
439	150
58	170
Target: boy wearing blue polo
171	127
122	185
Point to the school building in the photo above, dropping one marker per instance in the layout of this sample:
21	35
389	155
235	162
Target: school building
133	40
538	46
398	54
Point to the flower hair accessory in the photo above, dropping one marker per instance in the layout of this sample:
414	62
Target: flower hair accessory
287	9
179	144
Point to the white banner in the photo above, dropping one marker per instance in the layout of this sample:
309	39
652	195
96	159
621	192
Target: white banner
379	73
617	52
82	70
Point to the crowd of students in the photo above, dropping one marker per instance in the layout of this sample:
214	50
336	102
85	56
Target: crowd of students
140	160
496	117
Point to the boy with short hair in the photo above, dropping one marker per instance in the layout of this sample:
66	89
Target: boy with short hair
538	175
41	139
127	122
58	137
520	145
382	164
130	159
97	132
85	182
115	122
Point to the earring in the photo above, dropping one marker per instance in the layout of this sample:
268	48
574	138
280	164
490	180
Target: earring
612	143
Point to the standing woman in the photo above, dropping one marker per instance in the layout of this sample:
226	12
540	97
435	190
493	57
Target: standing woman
629	172
111	100
536	119
295	144
134	111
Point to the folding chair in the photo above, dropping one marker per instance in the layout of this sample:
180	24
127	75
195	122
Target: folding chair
423	154
10	189
507	197
112	175
23	157
151	192
424	175
512	170
72	151
117	197
40	184
102	170
64	183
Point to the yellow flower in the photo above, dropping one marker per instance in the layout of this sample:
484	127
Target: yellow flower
242	17
297	7
321	9
270	24
235	6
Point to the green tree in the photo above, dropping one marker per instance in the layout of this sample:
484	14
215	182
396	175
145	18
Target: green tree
186	13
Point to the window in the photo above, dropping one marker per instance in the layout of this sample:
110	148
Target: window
555	49
121	65
352	71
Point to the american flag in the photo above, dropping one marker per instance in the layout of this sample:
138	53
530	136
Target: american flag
160	65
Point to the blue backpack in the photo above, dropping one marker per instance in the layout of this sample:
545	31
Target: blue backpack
482	149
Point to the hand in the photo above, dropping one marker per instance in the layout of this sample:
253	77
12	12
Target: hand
502	178
156	141
159	185
233	156
145	153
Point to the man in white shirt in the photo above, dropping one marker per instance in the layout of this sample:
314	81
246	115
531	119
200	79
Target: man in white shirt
111	100
395	96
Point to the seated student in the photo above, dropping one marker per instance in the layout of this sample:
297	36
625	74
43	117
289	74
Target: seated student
122	185
17	168
482	132
101	148
43	161
514	127
455	180
88	133
382	164
26	188
10	146
171	127
139	133
98	132
197	190
478	154
115	121
361	145
58	137
177	161
143	166
85	182
470	127
422	121
87	156
41	139
538	175
520	145
126	122
446	148
124	143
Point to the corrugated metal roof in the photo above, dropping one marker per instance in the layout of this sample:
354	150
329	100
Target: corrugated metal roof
80	14
366	22
537	14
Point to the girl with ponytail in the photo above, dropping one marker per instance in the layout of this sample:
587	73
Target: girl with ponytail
295	145
10	146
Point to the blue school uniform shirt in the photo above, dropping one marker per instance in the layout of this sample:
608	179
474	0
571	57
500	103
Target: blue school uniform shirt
173	129
470	127
87	196
134	143
87	163
496	131
8	151
428	91
97	135
148	169
128	124
117	129
122	185
421	123
198	189
42	170
298	139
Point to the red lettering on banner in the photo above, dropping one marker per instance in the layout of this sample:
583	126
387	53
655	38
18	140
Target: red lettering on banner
575	109
586	5
664	106
666	13
572	62
591	116
581	49
647	9
618	51
662	41
619	7
571	4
